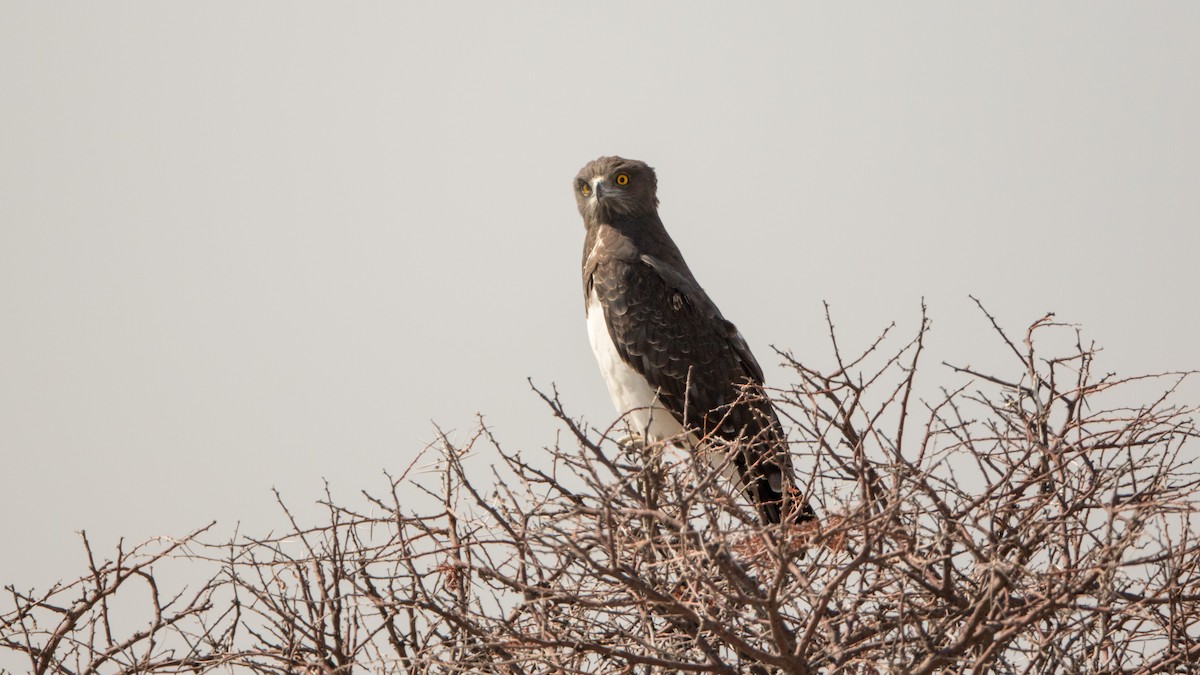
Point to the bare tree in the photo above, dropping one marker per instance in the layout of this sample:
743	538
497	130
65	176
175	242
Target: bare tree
1026	521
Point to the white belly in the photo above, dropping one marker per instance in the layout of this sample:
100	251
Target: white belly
630	392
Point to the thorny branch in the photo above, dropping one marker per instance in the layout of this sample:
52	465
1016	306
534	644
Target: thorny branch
1027	521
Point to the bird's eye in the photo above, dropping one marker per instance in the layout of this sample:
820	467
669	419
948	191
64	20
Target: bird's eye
622	179
584	188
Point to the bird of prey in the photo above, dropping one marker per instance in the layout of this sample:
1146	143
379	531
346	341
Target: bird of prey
672	362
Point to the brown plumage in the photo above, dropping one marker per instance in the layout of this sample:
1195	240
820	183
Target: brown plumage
670	358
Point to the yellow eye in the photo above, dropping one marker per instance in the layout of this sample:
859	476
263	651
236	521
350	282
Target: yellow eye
622	179
584	189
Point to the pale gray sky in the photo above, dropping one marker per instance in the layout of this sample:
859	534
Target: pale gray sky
246	245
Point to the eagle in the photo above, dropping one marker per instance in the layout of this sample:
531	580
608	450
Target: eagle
675	367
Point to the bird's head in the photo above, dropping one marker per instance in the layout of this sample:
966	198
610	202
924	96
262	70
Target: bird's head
613	186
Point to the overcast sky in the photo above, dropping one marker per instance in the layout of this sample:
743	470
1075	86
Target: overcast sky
255	245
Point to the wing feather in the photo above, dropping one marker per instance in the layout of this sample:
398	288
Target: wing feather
667	328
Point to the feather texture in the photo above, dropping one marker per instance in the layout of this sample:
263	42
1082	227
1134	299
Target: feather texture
670	359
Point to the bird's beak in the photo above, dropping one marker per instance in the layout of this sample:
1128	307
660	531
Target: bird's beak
598	187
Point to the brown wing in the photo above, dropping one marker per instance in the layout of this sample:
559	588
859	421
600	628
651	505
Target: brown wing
666	327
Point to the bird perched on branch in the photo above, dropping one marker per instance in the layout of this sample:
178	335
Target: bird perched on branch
672	362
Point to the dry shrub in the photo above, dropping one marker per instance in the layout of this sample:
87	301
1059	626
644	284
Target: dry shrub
1028	521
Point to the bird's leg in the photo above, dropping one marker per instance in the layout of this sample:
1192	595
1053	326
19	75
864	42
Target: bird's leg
631	443
650	479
